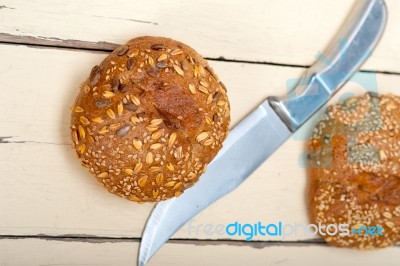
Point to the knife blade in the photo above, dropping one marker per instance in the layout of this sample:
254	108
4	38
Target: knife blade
258	135
239	149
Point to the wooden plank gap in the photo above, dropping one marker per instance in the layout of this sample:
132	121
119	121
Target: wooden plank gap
198	242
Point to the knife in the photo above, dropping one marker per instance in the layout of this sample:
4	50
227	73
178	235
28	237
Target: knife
259	134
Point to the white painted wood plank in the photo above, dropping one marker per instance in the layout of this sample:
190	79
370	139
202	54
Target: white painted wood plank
36	252
287	32
44	190
36	110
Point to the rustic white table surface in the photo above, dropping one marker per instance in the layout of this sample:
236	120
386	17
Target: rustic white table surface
52	212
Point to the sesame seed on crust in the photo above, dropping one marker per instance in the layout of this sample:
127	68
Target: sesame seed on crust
354	163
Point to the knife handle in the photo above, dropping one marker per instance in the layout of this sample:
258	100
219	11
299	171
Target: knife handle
349	49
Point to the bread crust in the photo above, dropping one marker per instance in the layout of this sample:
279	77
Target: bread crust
149	119
354	163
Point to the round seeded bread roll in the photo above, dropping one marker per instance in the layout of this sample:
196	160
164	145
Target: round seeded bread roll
149	119
354	163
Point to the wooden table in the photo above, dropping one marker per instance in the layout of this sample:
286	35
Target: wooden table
52	212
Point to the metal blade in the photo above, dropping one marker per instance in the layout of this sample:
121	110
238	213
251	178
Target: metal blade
262	132
347	51
248	145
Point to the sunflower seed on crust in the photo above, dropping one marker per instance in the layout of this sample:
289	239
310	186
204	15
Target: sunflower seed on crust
102	103
123	49
124	130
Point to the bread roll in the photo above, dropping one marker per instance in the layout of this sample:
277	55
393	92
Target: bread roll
149	119
354	160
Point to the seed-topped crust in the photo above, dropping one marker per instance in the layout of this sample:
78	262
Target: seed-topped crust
138	124
354	164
